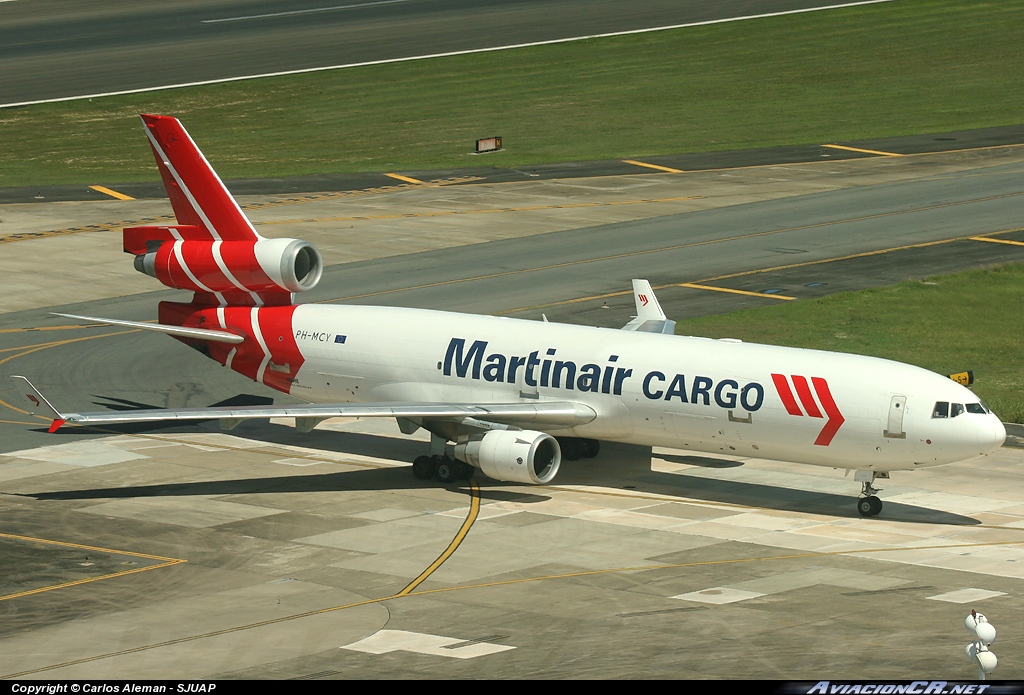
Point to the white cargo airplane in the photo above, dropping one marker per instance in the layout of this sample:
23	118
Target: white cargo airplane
516	396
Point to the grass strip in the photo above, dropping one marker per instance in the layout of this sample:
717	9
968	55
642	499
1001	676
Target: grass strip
882	70
947	324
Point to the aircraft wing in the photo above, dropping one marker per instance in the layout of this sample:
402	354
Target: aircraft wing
649	316
552	413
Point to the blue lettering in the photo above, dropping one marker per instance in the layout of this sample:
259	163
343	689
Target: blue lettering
757	390
677	388
653	395
590	374
495	369
701	387
462	363
730	398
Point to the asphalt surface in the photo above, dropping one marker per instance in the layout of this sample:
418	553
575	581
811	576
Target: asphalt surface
188	553
65	48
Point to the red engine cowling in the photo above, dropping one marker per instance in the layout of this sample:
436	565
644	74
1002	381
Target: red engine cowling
264	265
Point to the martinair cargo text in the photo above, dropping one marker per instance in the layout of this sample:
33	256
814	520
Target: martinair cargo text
513	397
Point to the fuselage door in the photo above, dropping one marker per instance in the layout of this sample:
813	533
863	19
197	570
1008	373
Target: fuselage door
894	430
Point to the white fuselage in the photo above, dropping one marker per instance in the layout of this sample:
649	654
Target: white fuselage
716	396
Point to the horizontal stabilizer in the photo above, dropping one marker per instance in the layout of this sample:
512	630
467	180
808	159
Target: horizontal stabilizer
179	331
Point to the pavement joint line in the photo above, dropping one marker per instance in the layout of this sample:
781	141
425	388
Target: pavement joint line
864	151
507	582
111	193
448	213
695	286
998	241
674	247
659	167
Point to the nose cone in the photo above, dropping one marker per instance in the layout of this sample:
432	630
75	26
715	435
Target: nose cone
992	434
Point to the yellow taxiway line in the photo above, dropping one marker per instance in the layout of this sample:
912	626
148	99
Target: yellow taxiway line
858	149
997	241
695	286
111	193
164	562
653	166
407	179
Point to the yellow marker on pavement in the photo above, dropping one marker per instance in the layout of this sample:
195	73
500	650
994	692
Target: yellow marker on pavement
653	166
111	193
858	149
407	179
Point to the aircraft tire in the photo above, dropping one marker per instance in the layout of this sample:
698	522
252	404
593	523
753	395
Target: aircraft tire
423	468
591	448
447	470
869	506
572	448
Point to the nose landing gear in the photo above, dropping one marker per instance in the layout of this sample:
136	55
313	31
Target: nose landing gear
869	504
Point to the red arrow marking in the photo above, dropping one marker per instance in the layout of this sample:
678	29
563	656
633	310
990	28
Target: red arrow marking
804	391
835	418
33	399
782	386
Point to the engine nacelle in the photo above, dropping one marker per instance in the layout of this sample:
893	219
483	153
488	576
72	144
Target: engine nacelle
265	265
515	456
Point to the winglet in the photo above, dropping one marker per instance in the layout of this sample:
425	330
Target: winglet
38	403
649	316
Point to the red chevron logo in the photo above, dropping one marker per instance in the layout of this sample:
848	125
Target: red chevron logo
807	400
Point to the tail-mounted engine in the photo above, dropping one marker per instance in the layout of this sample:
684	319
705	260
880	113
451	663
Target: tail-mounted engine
514	456
237	266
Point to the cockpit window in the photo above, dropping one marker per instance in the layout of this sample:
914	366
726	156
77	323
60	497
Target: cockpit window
956	409
941	409
976	408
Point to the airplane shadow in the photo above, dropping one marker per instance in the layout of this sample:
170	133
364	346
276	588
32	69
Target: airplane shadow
629	467
619	465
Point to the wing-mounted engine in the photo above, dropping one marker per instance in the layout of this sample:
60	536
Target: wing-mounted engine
200	265
515	456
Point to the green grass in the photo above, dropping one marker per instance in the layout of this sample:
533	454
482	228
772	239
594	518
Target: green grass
947	324
898	68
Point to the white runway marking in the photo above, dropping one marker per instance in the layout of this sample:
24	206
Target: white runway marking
387	641
967	595
445	55
309	11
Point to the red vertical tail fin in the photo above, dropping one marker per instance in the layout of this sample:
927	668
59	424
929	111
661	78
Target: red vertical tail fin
214	250
197	194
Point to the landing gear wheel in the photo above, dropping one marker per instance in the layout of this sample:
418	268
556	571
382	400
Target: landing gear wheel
447	470
869	506
423	468
591	448
463	470
572	448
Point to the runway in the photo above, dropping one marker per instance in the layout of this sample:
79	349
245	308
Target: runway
187	552
74	49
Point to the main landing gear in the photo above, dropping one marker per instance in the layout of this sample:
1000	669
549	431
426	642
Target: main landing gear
574	448
448	470
869	504
444	469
